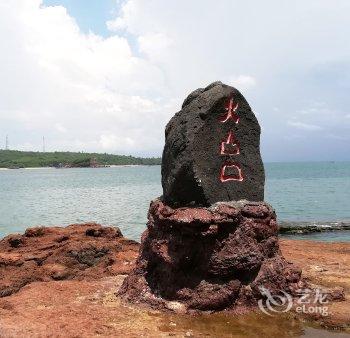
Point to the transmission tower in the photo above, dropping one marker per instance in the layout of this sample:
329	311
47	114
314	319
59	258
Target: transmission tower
7	143
43	144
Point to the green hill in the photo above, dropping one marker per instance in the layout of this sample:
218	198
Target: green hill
30	159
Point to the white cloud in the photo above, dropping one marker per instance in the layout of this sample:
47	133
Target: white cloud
60	128
27	146
87	92
242	82
112	142
128	13
55	78
154	45
304	126
338	137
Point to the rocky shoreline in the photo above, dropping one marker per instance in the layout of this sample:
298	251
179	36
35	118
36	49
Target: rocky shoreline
303	228
78	251
210	259
68	277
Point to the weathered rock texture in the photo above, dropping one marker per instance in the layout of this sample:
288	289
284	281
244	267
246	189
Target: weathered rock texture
79	251
209	258
88	307
212	150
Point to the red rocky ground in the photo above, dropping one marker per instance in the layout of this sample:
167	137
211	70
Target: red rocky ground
76	252
62	282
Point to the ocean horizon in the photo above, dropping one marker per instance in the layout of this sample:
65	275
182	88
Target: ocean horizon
301	192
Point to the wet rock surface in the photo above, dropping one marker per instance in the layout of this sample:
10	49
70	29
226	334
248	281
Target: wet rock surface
212	150
209	259
80	251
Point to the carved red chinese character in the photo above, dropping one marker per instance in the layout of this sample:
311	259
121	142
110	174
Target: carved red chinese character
231	171
231	109
230	146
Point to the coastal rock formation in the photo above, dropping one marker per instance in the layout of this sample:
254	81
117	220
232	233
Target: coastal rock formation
87	306
79	251
211	258
211	151
211	242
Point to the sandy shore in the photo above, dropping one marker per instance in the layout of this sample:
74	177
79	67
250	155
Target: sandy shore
34	168
109	166
68	277
38	168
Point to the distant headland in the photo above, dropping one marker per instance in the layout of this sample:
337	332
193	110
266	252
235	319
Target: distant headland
14	159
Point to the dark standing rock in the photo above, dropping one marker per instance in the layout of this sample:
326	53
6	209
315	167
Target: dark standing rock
212	150
206	247
212	258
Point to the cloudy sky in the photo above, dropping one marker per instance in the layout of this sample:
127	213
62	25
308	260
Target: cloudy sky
107	75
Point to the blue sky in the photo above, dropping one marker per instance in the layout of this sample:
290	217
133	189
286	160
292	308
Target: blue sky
108	75
89	14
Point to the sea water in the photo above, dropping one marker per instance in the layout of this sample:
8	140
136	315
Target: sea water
120	196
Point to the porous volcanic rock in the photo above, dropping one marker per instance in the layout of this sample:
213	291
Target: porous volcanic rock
212	150
79	251
89	308
211	258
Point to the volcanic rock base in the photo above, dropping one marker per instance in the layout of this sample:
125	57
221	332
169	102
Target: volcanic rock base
209	259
